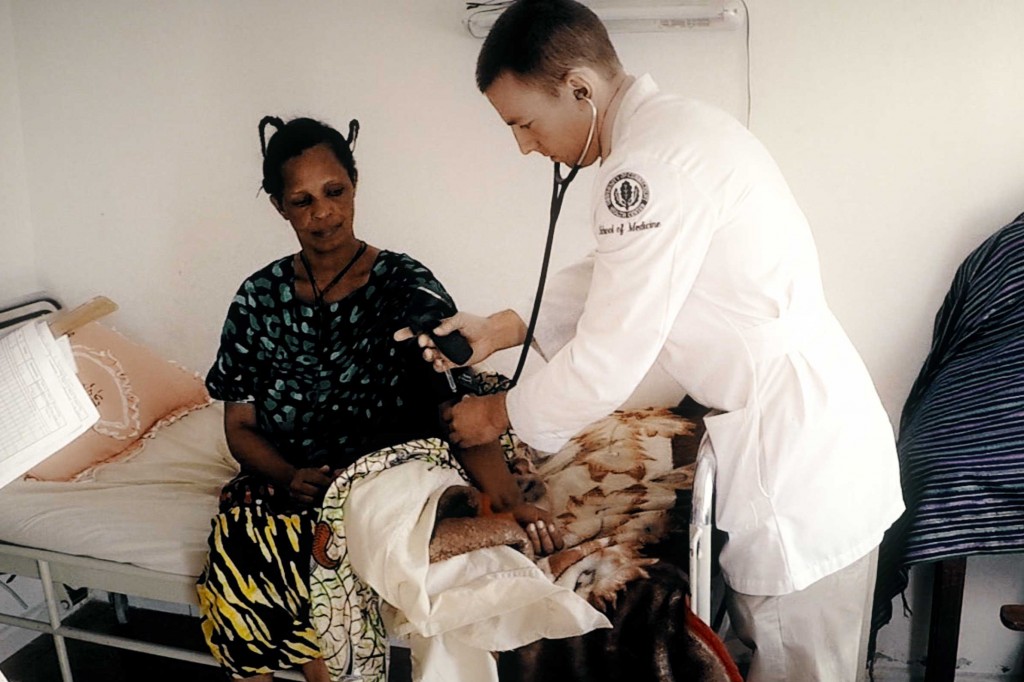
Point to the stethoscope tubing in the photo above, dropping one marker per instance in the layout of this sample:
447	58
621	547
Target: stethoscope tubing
558	189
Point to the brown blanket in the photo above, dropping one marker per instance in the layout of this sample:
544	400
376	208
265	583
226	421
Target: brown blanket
611	489
619	489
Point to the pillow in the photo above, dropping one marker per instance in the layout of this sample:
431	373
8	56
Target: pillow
136	391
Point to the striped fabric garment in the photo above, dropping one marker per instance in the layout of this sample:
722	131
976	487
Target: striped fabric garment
254	591
961	439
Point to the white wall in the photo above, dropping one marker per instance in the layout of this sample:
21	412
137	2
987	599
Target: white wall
17	251
897	124
147	114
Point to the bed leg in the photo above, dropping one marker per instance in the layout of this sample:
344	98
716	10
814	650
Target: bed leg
701	522
52	607
120	604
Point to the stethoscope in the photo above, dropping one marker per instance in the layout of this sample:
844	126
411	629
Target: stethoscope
558	188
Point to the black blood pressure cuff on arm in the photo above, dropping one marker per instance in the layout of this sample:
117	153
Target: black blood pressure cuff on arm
467	382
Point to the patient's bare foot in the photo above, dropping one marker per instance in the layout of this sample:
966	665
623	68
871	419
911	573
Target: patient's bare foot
454	536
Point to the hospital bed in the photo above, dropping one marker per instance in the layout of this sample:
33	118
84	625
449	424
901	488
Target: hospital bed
139	527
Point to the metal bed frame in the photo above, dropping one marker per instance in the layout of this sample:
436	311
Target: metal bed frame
54	569
701	523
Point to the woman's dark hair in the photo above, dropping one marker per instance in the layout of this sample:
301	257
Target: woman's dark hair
541	40
296	136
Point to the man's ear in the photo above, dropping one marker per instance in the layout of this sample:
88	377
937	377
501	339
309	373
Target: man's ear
277	205
580	83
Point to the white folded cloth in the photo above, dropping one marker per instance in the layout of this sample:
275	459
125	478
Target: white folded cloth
456	612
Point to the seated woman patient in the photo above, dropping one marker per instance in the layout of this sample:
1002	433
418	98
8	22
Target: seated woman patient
312	379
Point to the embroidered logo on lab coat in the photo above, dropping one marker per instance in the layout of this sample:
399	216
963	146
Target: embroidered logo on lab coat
626	195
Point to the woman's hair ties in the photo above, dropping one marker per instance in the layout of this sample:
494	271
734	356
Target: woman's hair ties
264	122
353	134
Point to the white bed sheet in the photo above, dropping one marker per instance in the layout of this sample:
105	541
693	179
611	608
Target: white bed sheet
152	511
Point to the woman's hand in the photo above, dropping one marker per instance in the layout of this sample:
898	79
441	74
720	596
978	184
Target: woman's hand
476	419
307	486
540	527
484	334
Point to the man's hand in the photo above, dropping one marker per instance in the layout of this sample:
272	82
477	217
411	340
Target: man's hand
476	419
541	528
484	334
308	485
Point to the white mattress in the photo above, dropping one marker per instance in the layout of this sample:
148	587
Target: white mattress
153	510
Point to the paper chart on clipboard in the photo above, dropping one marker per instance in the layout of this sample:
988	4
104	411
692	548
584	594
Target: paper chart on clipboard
43	405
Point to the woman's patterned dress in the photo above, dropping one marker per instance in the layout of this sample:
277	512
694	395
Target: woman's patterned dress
328	386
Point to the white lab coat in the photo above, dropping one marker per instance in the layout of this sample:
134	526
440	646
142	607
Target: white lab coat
706	265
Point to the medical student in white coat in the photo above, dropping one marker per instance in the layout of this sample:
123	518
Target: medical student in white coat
706	266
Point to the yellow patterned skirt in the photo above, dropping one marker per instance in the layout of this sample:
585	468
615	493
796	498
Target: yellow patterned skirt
254	591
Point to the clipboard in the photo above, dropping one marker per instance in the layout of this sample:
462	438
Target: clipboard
64	321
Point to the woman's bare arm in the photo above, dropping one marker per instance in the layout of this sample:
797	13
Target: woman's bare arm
486	466
253	451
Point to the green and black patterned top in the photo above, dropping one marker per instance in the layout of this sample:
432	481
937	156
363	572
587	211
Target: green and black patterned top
329	385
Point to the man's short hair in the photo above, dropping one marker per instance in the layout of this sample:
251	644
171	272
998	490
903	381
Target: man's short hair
540	41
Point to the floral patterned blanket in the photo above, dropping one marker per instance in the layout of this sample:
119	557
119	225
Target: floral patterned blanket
611	488
623	487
